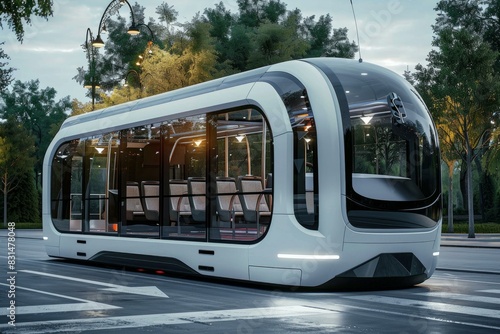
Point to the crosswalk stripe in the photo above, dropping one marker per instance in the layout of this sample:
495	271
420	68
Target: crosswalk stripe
457	296
145	320
490	291
434	306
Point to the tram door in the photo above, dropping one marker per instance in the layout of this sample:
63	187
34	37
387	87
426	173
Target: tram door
100	207
139	179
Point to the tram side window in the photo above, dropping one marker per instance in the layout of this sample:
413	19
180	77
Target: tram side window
81	189
305	161
206	156
141	174
242	164
184	168
305	166
95	179
66	186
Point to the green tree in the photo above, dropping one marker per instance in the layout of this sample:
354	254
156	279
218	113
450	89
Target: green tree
24	203
122	51
326	41
168	16
37	111
482	18
5	72
478	16
464	90
273	43
221	21
212	45
16	161
253	13
18	13
451	153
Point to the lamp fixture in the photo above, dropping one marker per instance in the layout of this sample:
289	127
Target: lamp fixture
240	138
197	142
133	30
98	42
99	149
90	85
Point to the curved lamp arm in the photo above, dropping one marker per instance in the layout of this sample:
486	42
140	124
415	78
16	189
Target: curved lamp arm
98	42
150	31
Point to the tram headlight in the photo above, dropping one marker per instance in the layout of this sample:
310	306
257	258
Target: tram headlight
435	254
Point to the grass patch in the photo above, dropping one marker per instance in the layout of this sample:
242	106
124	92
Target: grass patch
478	228
24	226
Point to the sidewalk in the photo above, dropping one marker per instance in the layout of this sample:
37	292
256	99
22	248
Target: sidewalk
482	240
23	233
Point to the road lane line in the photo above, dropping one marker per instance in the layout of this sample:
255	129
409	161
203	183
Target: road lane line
432	306
151	291
490	291
458	296
83	305
165	319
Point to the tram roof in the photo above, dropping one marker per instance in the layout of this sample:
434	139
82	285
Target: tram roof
198	89
178	94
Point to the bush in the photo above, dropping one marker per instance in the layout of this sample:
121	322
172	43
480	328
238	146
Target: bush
22	202
478	228
21	226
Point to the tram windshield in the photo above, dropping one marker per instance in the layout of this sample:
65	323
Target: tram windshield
394	146
391	146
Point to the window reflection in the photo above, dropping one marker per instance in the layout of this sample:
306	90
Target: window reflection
178	179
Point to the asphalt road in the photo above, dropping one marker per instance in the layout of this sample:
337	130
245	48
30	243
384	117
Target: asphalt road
57	296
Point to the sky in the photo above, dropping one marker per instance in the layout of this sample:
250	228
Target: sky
395	34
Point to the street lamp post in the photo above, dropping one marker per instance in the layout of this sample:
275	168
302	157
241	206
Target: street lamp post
134	72
92	44
149	29
111	9
91	83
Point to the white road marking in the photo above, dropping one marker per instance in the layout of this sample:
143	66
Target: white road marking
151	291
449	279
490	291
433	306
457	296
134	321
83	305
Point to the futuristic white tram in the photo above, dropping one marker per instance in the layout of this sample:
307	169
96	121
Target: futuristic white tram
317	173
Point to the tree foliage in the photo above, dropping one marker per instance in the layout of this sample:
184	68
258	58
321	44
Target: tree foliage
213	44
5	72
17	13
36	111
16	162
461	85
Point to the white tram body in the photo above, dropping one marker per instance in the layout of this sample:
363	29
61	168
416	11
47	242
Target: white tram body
345	155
